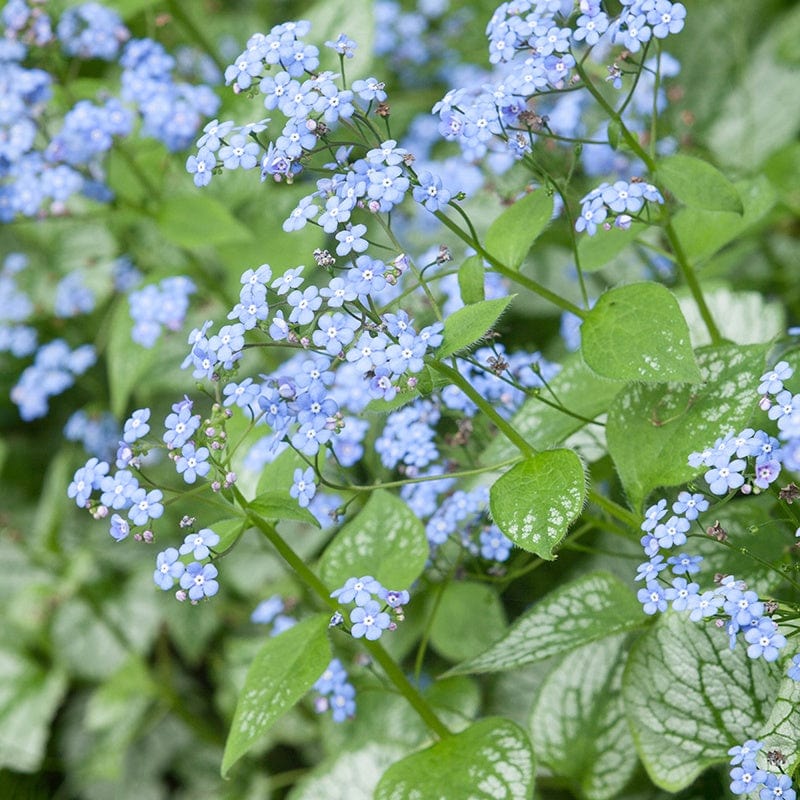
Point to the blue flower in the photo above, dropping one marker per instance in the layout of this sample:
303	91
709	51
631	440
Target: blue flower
654	514
765	641
747	778
672	532
168	568
198	544
267	610
145	505
192	462
703	605
494	545
239	152
180	425
136	427
200	581
743	752
794	668
304	486
304	304
684	564
690	505
725	475
86	479
120	527
772	380
369	621
358	590
680	593
201	166
777	787
430	192
351	241
117	490
652	598
649	570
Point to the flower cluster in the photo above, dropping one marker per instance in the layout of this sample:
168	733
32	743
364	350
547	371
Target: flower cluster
729	603
747	777
622	201
197	578
40	171
369	619
336	693
537	47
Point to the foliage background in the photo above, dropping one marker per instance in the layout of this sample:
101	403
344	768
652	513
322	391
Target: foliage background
109	689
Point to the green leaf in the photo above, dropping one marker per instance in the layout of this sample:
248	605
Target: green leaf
278	475
762	92
536	501
637	333
285	668
470	324
783	170
689	698
385	539
29	698
703	233
127	362
490	759
329	18
652	430
578	726
468	618
698	184
511	235
592	607
578	389
198	220
782	730
278	505
595	252
350	774
471	275
229	530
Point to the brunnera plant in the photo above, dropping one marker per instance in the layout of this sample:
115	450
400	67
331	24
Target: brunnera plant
373	416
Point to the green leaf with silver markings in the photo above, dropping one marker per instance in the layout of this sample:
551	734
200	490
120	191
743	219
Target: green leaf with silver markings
490	759
593	607
637	333
536	501
689	698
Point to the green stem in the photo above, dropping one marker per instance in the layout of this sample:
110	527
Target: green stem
375	649
503	425
507	272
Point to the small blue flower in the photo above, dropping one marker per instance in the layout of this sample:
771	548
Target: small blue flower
652	598
200	581
725	475
119	527
772	380
145	505
267	610
747	778
168	568
743	752
654	514
86	479
304	486
198	544
192	462
690	505
680	593
777	787
136	427
358	590
765	641
684	564
649	570
369	621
